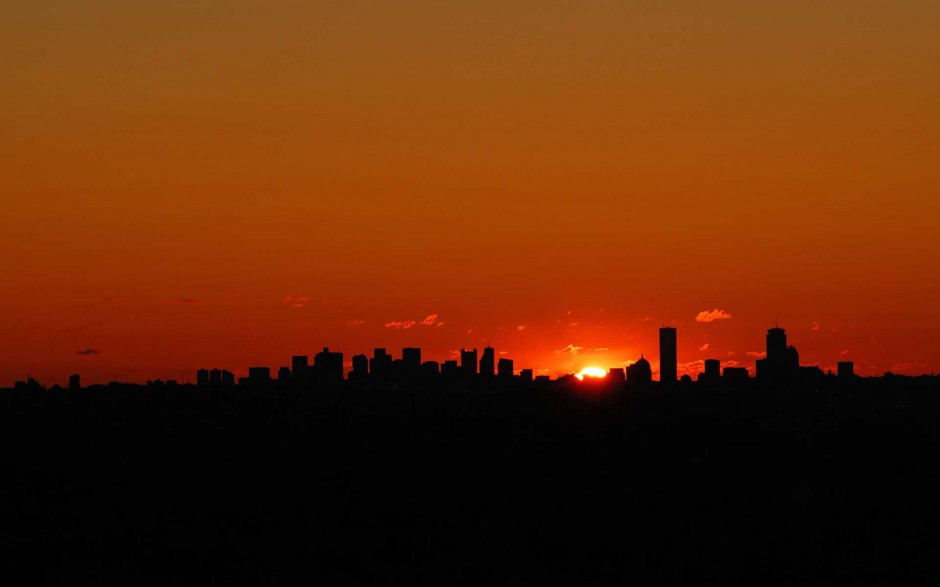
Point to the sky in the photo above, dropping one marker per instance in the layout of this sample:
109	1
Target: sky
202	184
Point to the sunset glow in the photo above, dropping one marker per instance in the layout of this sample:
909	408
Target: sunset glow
273	178
592	372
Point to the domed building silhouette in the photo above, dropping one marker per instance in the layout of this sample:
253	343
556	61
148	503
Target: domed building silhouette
640	372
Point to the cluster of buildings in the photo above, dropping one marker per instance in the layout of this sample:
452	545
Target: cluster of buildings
484	371
475	370
382	370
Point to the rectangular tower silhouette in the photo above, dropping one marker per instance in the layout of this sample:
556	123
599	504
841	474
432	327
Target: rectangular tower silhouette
668	359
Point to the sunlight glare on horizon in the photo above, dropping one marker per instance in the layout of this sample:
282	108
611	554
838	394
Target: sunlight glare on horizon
594	372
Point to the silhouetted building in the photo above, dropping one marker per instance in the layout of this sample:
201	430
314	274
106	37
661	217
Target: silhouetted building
259	375
733	374
75	382
782	363
228	378
712	370
776	343
380	366
846	369
468	362
360	369
299	369
430	369
450	374
328	367
215	377
616	374
525	376
668	359
411	357
283	375
640	372
488	362
202	377
504	368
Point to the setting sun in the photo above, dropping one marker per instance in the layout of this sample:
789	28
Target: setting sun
595	372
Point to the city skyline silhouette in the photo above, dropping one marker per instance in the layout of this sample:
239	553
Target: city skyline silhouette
779	363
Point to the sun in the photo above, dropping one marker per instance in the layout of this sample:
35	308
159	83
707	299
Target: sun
594	372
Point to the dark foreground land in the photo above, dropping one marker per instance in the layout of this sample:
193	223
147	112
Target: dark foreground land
204	487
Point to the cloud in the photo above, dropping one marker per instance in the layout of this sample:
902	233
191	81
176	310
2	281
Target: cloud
903	366
691	367
845	352
758	354
432	320
186	301
575	324
712	315
355	322
296	301
520	327
88	352
815	327
400	324
570	349
704	347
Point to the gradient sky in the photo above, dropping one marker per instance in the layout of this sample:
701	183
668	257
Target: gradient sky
542	176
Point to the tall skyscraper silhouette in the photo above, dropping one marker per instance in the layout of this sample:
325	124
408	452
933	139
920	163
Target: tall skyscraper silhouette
488	362
668	359
776	344
782	362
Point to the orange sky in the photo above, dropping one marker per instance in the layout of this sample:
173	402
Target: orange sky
585	170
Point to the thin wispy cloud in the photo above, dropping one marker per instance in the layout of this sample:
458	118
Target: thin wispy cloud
758	354
296	301
355	322
712	315
400	324
704	347
88	352
432	320
572	349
